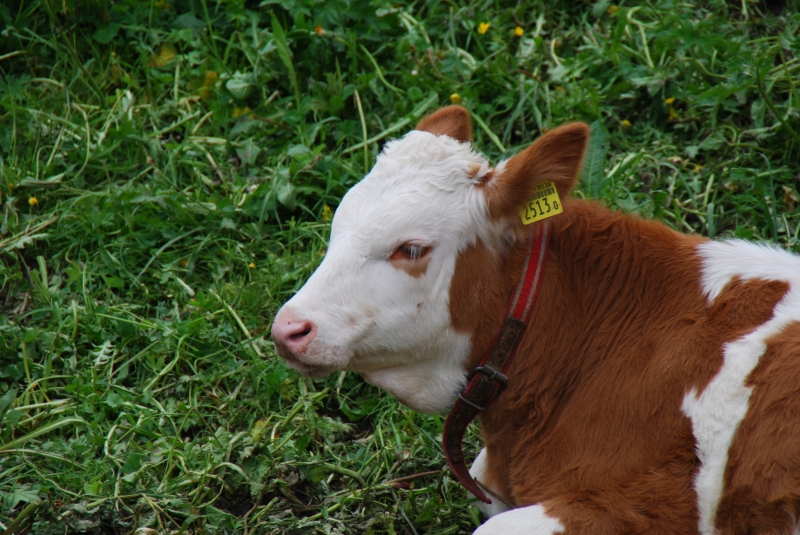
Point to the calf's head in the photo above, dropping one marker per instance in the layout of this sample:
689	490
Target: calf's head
379	304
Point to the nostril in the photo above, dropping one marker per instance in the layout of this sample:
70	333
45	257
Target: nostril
292	334
302	334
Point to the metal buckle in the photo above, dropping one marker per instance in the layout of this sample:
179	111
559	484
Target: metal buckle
492	375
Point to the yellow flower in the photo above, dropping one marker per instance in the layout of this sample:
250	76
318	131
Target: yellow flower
672	115
209	81
33	201
483	27
518	31
241	111
166	54
670	101
319	30
697	167
455	98
211	78
327	213
613	9
626	123
251	265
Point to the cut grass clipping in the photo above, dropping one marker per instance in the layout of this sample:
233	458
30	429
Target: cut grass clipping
168	173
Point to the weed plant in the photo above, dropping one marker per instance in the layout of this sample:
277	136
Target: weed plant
168	172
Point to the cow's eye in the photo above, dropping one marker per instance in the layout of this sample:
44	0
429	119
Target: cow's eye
410	251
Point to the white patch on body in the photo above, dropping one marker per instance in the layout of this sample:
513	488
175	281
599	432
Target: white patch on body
717	412
376	319
478	472
530	520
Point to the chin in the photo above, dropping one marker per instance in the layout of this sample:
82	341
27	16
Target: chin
413	394
307	369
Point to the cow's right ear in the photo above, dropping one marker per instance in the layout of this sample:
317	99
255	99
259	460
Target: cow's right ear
453	121
555	157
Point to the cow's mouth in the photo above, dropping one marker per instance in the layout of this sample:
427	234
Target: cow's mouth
305	369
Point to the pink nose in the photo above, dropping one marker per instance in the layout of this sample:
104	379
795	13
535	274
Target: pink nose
292	334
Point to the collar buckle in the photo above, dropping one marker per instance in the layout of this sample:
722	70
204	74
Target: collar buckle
491	375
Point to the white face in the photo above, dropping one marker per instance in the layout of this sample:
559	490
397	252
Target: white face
374	306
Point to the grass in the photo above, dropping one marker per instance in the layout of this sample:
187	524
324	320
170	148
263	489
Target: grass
168	171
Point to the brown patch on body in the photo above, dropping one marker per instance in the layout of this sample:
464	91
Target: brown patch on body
452	121
591	423
414	267
762	479
479	290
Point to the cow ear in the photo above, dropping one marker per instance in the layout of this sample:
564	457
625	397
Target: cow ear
453	121
555	156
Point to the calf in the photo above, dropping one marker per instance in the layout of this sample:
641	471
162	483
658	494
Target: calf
656	388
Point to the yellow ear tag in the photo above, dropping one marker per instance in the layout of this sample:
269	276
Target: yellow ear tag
545	203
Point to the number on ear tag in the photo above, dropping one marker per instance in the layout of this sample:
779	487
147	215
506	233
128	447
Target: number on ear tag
545	203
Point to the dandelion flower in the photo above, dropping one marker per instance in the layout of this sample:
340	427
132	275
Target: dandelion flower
672	115
327	213
626	123
613	9
455	98
209	80
166	54
483	27
33	201
518	31
237	111
251	265
670	101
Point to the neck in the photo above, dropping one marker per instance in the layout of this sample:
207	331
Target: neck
600	264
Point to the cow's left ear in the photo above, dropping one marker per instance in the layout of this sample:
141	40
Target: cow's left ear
453	121
555	156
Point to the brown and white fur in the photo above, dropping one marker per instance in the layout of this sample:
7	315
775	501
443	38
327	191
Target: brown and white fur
657	387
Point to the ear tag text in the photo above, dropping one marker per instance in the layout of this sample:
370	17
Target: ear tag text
545	203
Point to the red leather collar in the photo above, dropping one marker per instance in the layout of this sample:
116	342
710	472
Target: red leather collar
488	379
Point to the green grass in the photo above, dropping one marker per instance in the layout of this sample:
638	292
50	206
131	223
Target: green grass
167	175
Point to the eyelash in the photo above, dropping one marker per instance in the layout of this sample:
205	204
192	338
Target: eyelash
410	251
